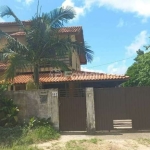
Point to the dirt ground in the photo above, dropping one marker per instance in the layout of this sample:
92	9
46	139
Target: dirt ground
102	141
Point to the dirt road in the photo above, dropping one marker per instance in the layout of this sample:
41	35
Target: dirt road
113	141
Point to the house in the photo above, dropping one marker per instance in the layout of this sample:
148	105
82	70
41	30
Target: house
52	77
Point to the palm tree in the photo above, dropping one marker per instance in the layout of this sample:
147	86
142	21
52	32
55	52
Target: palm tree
43	43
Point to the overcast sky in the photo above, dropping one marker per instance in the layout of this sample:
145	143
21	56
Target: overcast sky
115	29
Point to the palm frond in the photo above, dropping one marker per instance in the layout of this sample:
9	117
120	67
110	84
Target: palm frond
83	49
6	11
58	16
89	54
15	62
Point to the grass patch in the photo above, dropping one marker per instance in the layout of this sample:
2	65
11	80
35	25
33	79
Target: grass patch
94	140
20	138
24	147
81	144
144	141
74	145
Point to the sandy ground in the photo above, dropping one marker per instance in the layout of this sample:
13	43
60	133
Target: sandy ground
106	141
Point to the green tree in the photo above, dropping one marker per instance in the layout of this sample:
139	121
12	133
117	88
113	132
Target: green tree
139	71
43	43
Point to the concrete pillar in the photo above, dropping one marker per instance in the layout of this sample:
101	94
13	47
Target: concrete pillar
9	87
53	107
90	109
14	87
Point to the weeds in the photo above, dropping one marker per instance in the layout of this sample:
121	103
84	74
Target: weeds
81	144
144	141
74	145
20	138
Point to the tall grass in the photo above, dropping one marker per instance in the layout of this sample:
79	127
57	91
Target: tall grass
20	138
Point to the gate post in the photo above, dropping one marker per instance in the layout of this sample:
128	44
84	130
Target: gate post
53	107
90	110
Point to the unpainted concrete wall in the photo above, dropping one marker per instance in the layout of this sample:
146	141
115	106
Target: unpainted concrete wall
90	110
37	103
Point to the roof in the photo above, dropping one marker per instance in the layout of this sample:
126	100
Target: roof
14	23
75	29
3	66
75	76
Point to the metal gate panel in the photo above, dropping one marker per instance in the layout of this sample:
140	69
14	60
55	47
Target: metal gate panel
122	103
72	110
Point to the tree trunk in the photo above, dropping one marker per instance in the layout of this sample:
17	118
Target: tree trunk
36	75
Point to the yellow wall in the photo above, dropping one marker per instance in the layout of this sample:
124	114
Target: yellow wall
10	29
75	61
2	43
21	39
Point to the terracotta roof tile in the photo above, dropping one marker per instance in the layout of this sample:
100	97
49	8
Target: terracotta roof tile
3	66
13	23
75	29
76	76
22	78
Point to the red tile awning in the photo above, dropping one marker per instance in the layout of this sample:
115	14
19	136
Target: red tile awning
75	76
74	29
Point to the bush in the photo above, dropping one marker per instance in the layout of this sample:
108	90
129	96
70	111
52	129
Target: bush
30	85
8	110
22	137
36	122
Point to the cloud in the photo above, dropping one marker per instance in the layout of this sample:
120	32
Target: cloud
2	20
117	68
114	68
121	23
139	7
139	41
91	70
27	2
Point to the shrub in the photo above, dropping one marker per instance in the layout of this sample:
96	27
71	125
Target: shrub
36	122
8	110
22	137
30	85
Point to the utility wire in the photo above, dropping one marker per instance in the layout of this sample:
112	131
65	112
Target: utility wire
112	62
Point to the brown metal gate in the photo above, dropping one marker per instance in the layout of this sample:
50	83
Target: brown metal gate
72	110
122	103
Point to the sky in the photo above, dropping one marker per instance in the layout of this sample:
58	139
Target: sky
114	29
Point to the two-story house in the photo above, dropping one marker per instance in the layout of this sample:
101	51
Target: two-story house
51	77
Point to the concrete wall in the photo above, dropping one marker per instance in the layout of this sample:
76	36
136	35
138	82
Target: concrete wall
37	103
45	104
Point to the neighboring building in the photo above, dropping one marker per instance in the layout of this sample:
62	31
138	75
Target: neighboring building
52	77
